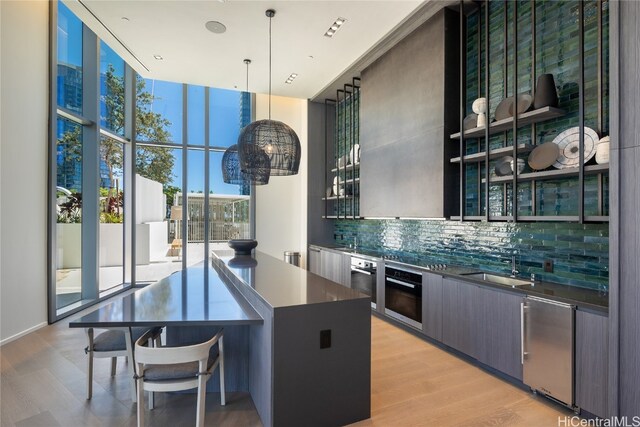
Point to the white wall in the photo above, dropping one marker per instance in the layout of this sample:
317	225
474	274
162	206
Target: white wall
24	91
281	205
150	201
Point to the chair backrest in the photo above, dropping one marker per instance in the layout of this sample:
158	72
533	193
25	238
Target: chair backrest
171	355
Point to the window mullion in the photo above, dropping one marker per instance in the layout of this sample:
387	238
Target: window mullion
90	165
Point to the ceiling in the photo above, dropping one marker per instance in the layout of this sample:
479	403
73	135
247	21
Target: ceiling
191	54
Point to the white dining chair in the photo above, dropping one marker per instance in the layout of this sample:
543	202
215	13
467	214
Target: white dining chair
178	368
114	343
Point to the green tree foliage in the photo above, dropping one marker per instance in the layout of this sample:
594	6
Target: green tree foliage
155	163
170	191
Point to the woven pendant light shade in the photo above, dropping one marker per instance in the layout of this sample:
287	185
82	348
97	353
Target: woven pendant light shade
259	160
232	174
277	140
269	137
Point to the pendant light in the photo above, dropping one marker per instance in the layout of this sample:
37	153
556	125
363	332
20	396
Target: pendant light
231	173
275	139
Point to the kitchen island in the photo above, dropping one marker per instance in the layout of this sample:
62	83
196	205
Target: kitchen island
298	343
310	362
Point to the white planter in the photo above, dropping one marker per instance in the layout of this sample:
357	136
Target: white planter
151	241
68	251
111	245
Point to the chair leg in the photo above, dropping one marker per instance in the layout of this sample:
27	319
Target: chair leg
140	405
89	333
221	368
202	394
113	366
130	365
151	401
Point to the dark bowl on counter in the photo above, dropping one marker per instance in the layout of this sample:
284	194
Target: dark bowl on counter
243	246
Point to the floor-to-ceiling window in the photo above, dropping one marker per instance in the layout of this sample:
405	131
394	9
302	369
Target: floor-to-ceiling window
68	159
136	190
181	133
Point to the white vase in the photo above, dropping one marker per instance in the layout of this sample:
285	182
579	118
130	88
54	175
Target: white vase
602	153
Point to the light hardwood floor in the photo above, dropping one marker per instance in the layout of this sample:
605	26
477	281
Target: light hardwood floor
414	383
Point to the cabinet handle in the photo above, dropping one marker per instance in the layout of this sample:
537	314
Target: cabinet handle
368	273
522	332
408	285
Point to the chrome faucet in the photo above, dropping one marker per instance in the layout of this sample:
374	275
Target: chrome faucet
514	267
355	243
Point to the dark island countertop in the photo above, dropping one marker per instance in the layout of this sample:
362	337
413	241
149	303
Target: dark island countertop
279	284
195	297
580	297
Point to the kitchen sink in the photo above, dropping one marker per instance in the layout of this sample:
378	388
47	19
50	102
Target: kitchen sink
501	280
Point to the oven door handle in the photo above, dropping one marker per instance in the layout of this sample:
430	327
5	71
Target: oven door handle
408	285
368	273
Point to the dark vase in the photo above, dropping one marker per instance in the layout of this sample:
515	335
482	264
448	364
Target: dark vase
546	93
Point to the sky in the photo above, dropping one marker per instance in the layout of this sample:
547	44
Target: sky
224	128
224	109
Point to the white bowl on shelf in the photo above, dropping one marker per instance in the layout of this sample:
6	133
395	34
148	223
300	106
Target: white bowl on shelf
520	167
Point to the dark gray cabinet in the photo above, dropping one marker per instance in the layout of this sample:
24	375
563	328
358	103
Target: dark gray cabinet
314	261
592	343
481	322
409	106
499	332
459	318
432	306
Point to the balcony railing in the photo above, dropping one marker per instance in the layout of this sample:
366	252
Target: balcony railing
217	231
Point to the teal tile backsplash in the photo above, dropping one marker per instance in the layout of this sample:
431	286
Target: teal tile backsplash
580	252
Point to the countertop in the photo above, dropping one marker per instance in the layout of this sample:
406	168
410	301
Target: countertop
580	297
279	284
197	297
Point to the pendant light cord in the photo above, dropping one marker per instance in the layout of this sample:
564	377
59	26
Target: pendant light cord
270	18
247	62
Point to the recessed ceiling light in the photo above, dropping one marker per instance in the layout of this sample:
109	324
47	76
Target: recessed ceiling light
334	27
215	27
158	57
291	78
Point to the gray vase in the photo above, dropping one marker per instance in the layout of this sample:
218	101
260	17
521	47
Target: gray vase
546	94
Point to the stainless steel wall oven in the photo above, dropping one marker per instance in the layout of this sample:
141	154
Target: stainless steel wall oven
403	295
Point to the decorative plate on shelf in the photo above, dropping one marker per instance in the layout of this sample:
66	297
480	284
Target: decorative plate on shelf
470	122
543	156
503	109
523	104
503	166
569	146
